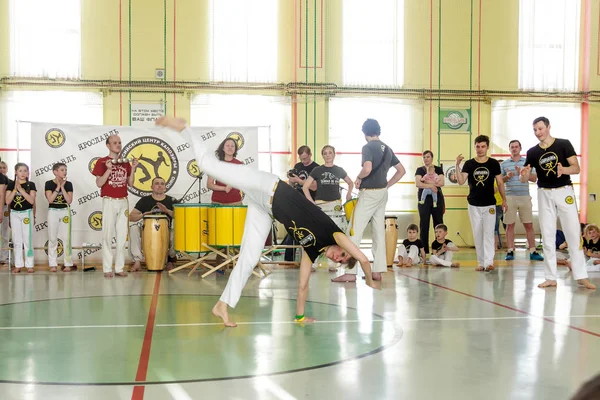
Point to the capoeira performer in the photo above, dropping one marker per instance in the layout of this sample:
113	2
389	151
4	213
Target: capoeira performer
59	193
4	218
377	159
481	172
269	197
555	160
112	178
20	197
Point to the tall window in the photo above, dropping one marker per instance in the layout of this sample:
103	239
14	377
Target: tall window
514	120
243	40
373	42
549	44
401	124
45	38
271	114
19	108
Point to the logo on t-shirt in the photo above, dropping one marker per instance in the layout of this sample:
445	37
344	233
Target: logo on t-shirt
548	162
95	220
480	175
238	137
60	248
327	178
156	159
305	237
55	138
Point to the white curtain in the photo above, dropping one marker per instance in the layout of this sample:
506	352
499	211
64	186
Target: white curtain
272	115
549	44
19	108
243	40
401	124
45	38
373	42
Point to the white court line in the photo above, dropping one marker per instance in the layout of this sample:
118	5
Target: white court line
273	322
14	328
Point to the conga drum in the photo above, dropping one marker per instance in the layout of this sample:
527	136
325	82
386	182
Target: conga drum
349	211
191	227
391	239
155	241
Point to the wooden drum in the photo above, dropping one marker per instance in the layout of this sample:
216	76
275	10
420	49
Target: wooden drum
191	227
391	239
226	225
155	241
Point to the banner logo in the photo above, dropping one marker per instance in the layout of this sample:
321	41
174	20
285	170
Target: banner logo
60	248
95	220
92	164
238	137
156	158
192	169
55	138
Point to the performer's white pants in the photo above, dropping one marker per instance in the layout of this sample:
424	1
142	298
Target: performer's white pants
483	220
258	187
412	253
445	259
115	217
5	235
553	203
59	227
370	207
22	227
135	241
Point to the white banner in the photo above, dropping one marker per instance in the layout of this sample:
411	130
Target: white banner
161	153
146	114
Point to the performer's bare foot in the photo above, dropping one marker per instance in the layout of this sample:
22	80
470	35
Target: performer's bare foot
376	276
53	269
108	274
586	284
401	261
220	310
121	274
16	270
490	268
455	265
345	278
137	266
67	269
30	270
547	283
479	268
305	320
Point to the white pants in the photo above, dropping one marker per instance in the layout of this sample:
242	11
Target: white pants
22	227
135	241
370	207
258	187
59	227
5	235
560	202
412	253
115	217
444	259
483	220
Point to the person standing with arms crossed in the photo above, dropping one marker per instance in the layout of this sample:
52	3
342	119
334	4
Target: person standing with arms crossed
59	193
481	172
377	159
555	160
112	179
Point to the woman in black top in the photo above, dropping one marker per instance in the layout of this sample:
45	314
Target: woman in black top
427	210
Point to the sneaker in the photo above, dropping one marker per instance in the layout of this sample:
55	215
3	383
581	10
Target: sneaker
535	256
510	256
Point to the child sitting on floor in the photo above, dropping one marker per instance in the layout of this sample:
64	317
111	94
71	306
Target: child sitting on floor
411	251
430	177
442	248
591	247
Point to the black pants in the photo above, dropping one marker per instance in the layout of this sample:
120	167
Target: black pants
289	253
425	212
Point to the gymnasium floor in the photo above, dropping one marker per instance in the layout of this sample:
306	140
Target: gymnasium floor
431	333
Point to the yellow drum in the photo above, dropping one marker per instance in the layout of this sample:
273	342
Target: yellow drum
155	241
391	239
191	227
349	210
226	225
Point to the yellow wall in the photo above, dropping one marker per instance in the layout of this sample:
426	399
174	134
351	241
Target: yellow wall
478	50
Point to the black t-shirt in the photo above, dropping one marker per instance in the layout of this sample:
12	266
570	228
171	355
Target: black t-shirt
594	247
481	181
407	243
59	201
377	152
19	203
423	171
545	162
303	220
303	172
148	203
435	246
4	179
328	182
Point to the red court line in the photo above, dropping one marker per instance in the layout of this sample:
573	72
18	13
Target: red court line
138	391
502	305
